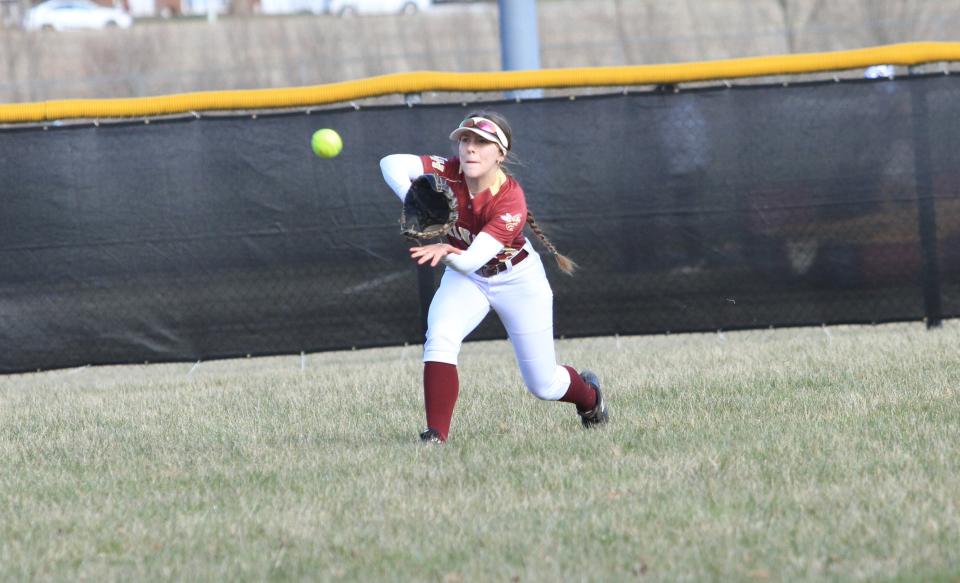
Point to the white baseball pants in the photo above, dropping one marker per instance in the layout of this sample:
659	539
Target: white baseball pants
522	298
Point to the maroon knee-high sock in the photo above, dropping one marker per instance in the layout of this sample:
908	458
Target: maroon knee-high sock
580	393
441	385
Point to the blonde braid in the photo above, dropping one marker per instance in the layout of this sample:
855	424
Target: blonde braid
565	264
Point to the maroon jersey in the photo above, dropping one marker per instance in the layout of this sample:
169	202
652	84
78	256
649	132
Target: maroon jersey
501	215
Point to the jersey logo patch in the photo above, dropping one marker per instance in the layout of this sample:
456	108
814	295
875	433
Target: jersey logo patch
510	221
438	163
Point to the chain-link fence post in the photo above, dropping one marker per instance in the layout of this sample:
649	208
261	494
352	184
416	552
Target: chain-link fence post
926	209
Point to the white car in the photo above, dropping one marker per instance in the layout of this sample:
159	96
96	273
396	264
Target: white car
71	14
351	7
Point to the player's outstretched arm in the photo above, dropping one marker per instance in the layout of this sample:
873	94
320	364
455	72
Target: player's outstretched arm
399	170
432	254
483	248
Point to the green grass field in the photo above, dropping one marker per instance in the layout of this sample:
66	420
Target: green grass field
804	454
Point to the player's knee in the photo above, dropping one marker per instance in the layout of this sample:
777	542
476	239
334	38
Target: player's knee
540	391
548	385
442	345
442	339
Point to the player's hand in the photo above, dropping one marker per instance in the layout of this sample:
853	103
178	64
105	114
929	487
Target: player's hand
432	253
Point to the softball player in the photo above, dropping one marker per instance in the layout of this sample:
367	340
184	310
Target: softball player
488	264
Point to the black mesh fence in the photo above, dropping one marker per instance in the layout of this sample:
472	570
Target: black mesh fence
717	208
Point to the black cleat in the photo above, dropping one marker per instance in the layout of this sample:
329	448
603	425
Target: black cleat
430	435
598	415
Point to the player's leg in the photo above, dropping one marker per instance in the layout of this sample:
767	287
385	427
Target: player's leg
457	308
524	303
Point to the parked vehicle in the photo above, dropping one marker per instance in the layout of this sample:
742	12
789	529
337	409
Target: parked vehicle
353	7
74	14
201	7
293	6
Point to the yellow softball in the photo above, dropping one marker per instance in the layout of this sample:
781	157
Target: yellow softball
326	143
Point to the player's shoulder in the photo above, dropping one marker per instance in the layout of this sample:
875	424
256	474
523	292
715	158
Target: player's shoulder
511	188
447	167
510	199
